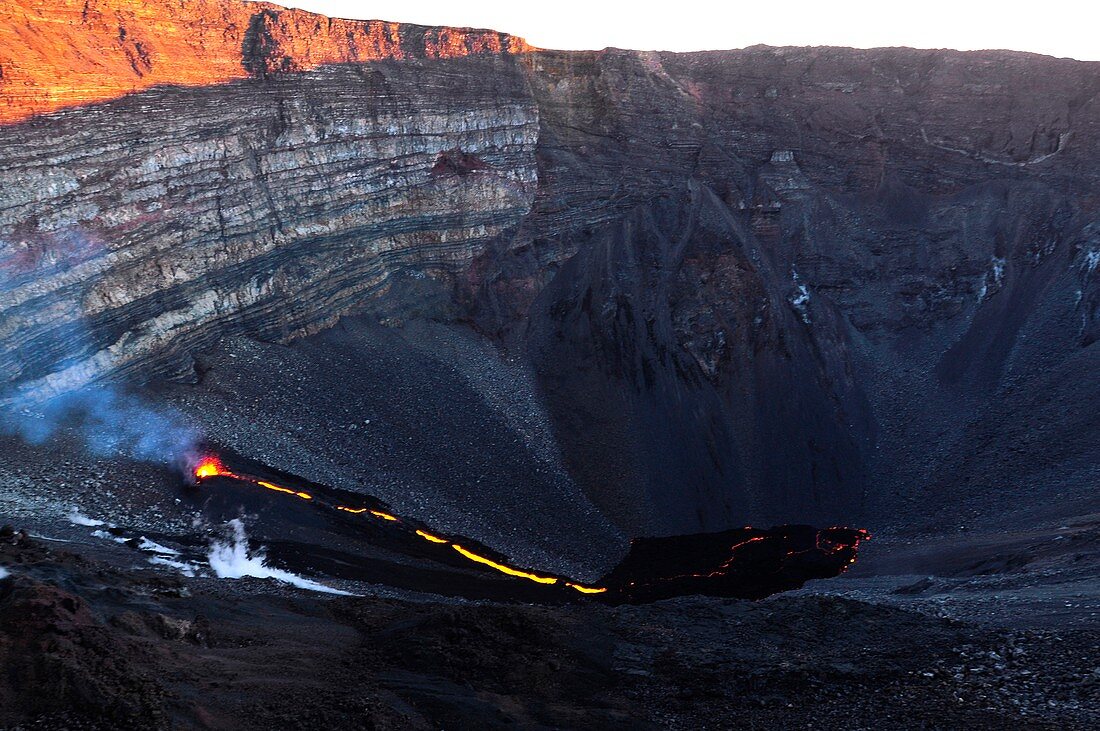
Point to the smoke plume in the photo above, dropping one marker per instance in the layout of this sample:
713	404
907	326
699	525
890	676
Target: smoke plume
110	419
110	422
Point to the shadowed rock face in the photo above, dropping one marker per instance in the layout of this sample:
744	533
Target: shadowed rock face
769	285
810	283
668	353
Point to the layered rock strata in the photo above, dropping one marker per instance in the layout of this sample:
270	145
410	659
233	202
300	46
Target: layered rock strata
56	54
154	224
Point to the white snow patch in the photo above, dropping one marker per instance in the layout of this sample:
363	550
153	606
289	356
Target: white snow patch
998	273
154	547
187	569
76	518
1092	260
107	536
801	300
233	560
4	573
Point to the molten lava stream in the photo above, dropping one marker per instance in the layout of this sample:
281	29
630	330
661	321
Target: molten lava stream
744	562
211	467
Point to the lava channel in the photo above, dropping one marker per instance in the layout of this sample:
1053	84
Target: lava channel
749	563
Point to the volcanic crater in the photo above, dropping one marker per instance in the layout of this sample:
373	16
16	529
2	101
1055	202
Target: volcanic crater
361	374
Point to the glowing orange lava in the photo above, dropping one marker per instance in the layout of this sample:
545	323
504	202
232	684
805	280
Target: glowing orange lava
288	491
211	467
502	568
586	589
375	513
825	541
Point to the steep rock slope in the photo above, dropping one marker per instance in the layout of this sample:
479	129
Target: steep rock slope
858	282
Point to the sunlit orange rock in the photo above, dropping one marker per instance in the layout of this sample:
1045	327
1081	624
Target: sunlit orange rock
62	53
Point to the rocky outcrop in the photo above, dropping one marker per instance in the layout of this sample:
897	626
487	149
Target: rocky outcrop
56	54
752	284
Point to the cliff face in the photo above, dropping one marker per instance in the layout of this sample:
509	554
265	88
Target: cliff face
56	54
132	234
759	285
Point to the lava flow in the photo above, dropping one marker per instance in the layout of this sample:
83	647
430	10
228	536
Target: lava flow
210	467
746	562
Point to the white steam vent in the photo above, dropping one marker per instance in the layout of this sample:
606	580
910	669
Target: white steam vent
78	518
232	559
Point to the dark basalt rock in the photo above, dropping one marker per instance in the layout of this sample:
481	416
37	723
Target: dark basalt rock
746	563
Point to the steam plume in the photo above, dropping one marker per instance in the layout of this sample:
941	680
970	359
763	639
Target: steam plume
232	559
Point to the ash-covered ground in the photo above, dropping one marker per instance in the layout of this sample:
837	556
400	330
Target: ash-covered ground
114	615
90	645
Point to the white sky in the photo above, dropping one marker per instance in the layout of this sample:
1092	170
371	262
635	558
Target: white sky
1056	27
